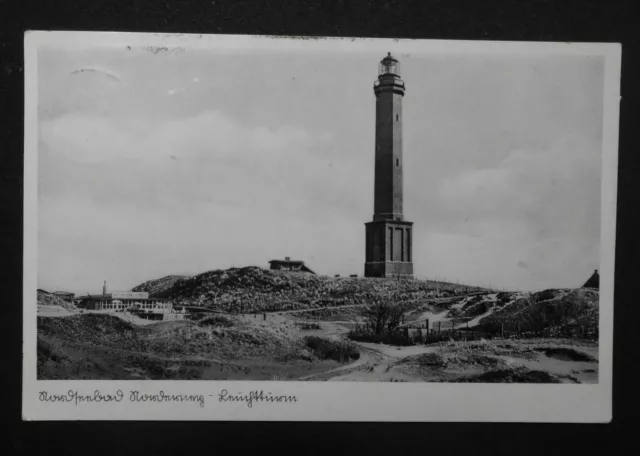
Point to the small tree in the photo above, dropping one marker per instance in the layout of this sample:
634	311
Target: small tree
384	318
395	319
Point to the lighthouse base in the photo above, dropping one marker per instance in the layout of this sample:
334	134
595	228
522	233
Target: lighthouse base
389	269
388	249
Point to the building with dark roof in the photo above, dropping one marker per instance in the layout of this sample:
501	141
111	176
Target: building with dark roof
594	281
289	265
123	300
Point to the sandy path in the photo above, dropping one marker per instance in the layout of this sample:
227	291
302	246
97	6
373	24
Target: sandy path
391	351
335	331
375	365
365	358
378	357
476	320
377	361
55	311
320	308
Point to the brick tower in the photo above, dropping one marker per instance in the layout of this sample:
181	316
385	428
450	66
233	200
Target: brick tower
389	236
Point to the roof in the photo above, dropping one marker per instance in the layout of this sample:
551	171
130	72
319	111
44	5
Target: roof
296	262
109	296
389	57
63	293
593	282
307	269
300	263
96	296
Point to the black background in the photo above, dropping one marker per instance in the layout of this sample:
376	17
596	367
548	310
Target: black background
537	20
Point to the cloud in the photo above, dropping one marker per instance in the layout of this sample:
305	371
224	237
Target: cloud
498	260
534	218
199	192
248	163
204	159
208	135
172	92
549	190
209	179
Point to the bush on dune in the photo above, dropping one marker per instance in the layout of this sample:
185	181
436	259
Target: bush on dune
48	299
327	349
511	375
544	311
216	320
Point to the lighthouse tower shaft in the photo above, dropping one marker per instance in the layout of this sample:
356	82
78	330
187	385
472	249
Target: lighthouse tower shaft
388	236
388	164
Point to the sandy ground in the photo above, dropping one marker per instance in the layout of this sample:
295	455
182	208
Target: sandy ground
55	311
378	362
384	363
375	359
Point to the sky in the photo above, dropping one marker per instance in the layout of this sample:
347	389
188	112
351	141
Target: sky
183	161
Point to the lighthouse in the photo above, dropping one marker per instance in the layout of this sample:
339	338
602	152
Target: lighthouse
388	235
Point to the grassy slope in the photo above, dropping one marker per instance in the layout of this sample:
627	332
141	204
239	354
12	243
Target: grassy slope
48	299
546	309
159	288
104	346
522	361
253	289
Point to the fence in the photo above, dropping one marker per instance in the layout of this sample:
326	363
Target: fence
445	284
416	336
423	333
309	323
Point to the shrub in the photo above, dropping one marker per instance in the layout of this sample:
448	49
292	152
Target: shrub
511	375
383	318
327	349
397	338
310	325
543	315
478	308
216	320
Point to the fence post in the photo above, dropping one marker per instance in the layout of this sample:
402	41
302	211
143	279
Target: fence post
502	330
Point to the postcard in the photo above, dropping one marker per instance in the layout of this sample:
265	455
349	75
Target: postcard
274	228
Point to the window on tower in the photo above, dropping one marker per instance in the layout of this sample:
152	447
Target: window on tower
397	162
